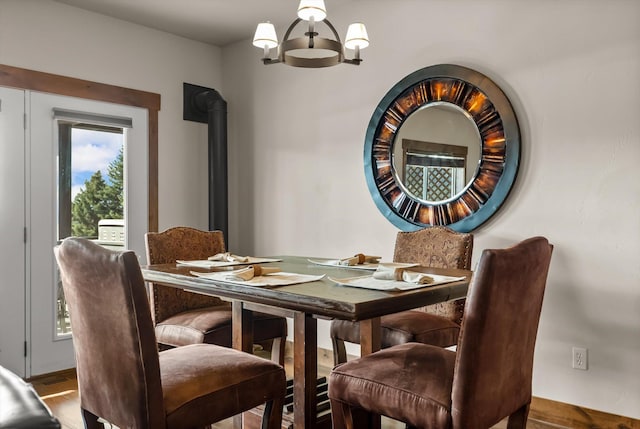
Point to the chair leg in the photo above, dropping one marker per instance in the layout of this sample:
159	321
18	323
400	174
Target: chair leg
518	420
339	351
344	416
90	420
272	417
277	350
338	415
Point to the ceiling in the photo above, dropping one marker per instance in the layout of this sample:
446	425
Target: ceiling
217	22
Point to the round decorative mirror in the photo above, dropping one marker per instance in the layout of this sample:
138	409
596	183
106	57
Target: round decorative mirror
442	148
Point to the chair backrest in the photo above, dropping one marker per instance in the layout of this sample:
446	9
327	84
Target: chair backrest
113	336
435	246
180	243
494	362
438	247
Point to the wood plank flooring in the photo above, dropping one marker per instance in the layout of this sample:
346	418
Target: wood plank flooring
60	392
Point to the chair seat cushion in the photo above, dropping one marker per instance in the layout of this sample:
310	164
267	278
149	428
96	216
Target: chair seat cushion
411	382
404	327
212	325
20	405
206	383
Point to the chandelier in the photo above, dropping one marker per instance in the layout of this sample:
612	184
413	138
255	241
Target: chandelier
311	51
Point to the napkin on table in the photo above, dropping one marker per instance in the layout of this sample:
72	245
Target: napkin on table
402	274
358	259
228	257
247	273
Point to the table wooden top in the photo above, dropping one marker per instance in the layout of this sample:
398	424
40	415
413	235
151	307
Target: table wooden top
324	298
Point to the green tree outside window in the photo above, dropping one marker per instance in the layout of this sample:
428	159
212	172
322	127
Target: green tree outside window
98	200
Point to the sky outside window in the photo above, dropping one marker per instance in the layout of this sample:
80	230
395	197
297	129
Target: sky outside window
92	151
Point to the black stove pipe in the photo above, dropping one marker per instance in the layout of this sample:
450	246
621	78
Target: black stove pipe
207	105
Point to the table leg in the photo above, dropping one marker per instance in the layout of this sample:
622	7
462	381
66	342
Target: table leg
242	338
242	327
370	342
305	371
370	332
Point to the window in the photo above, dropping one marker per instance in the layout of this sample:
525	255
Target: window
90	186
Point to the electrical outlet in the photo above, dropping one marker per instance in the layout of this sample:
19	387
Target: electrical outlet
580	358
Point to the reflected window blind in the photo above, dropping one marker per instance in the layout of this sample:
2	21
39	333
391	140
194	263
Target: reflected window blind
434	161
92	118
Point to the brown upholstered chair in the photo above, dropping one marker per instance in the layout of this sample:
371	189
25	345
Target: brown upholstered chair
438	324
183	317
487	379
123	379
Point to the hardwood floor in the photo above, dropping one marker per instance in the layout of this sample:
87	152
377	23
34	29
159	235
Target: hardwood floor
60	392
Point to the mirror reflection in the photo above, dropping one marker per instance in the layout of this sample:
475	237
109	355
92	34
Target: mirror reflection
436	152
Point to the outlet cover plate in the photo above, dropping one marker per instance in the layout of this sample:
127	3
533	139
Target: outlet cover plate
580	358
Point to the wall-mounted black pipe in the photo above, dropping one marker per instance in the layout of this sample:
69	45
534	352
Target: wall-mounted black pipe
206	105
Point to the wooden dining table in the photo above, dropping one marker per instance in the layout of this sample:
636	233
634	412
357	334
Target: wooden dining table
305	303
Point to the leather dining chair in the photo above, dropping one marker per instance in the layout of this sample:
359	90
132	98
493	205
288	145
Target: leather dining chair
183	317
486	380
123	379
437	324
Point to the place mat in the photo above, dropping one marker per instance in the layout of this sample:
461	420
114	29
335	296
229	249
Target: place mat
365	266
368	282
213	264
273	279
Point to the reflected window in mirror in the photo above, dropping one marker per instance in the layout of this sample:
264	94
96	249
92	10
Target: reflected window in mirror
433	171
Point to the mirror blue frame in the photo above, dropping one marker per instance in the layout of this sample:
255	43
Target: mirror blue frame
499	132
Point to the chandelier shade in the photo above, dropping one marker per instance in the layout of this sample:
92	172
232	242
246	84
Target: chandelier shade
265	36
357	37
312	50
312	9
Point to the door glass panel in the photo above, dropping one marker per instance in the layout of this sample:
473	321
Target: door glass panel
90	192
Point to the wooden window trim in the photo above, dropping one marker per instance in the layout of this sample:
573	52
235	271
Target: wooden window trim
55	84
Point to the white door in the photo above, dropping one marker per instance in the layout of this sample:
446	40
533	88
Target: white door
12	223
49	350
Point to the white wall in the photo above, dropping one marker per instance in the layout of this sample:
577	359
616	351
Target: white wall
571	70
55	38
